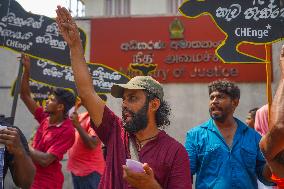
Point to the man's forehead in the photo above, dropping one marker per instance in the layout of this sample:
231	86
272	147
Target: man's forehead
249	115
127	92
218	93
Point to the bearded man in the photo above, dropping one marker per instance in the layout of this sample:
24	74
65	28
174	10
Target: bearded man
138	134
223	151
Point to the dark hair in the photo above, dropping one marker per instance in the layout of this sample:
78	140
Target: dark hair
225	86
103	97
163	112
253	112
65	97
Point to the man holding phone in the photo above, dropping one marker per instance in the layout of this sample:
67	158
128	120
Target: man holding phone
14	154
138	134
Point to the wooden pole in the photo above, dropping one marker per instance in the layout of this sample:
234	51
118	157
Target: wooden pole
268	78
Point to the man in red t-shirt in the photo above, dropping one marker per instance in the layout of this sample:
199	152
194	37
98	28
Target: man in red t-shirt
138	135
54	136
85	159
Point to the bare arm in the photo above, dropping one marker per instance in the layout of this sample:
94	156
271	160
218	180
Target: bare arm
92	102
25	86
43	159
89	141
23	170
272	144
22	167
266	173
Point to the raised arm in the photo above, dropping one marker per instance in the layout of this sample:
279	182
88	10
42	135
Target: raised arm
92	102
272	144
25	86
90	142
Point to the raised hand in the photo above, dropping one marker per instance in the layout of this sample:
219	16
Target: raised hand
25	59
67	27
75	119
78	103
281	62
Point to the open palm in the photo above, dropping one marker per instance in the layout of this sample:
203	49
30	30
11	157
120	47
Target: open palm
282	61
25	59
67	26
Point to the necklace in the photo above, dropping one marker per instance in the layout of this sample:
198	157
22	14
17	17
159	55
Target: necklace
140	142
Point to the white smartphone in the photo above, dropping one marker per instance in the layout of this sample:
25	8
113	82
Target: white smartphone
1	128
135	166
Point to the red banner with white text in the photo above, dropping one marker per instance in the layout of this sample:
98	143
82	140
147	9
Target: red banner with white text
171	49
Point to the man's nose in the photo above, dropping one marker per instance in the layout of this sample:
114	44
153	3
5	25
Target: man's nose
124	104
215	100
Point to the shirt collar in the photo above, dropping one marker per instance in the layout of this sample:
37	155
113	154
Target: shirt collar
55	125
161	134
210	124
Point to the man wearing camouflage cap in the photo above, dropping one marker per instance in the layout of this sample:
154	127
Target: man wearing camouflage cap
137	135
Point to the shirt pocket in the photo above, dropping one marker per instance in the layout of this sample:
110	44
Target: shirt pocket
210	156
248	154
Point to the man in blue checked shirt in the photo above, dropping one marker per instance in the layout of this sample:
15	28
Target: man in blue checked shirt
224	152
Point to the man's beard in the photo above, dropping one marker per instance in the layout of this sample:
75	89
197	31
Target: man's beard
220	117
139	120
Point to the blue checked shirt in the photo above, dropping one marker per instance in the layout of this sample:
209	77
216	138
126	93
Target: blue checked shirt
219	167
2	155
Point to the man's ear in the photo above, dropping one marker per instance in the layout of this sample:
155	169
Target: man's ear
60	107
236	102
155	104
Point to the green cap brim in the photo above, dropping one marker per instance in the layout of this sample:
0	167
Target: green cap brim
117	89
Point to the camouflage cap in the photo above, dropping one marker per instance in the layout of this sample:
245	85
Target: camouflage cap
139	82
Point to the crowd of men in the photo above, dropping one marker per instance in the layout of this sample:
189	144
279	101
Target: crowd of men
222	152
